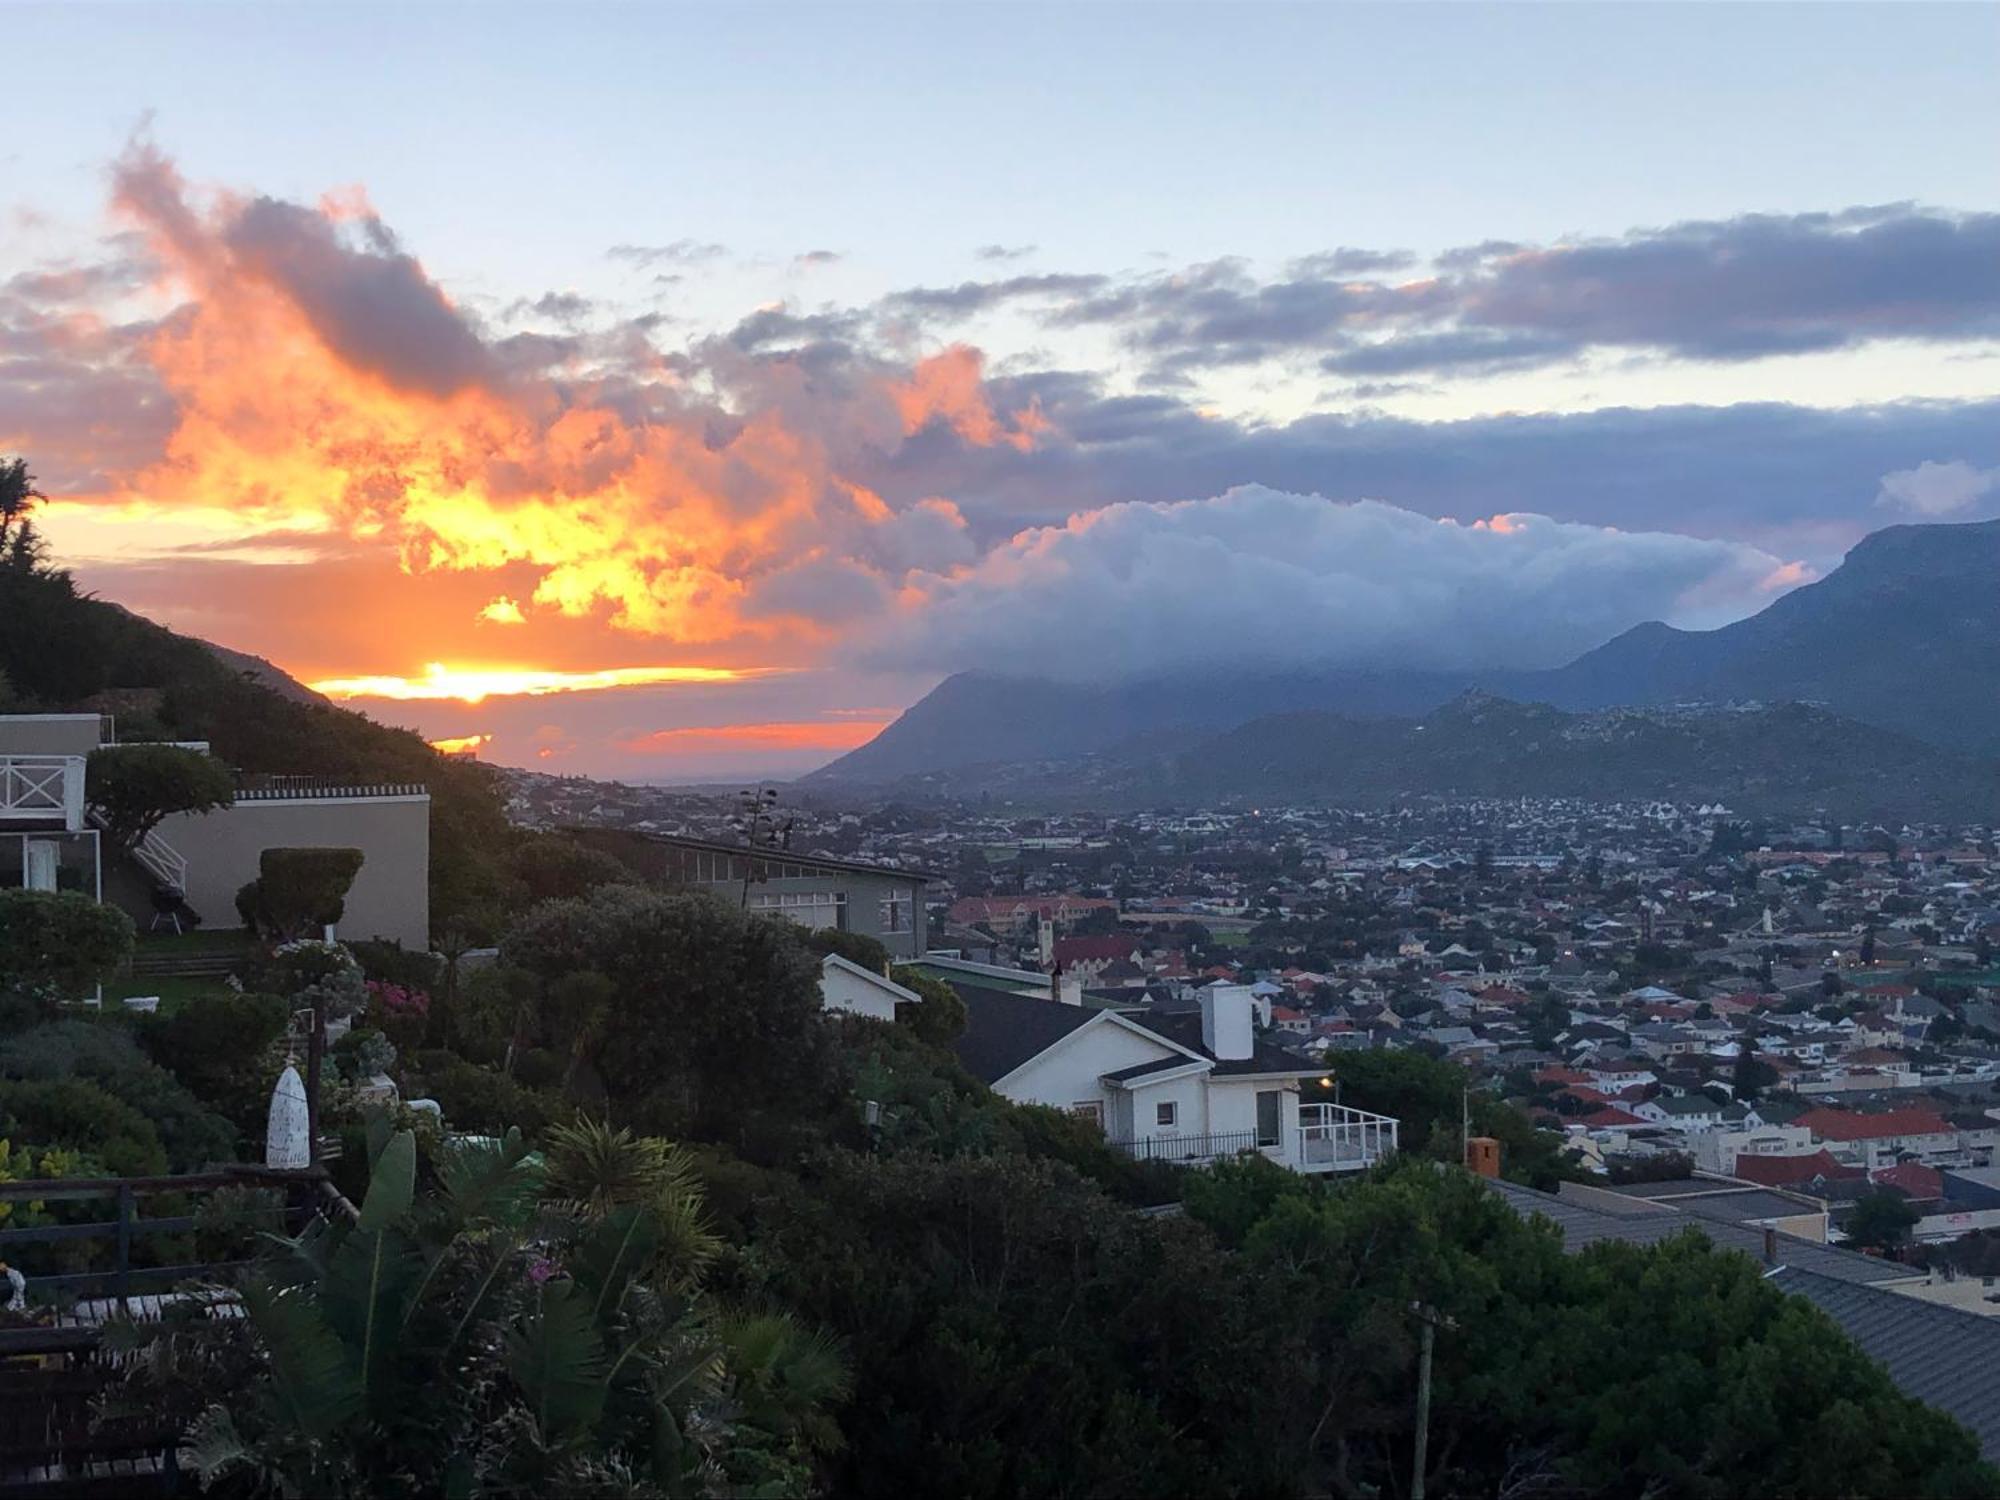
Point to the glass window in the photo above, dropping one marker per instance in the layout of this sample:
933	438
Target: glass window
1167	1113
896	913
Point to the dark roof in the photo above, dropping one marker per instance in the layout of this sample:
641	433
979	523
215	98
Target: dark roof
790	857
1185	1031
1582	1225
1003	1030
1141	1070
1943	1356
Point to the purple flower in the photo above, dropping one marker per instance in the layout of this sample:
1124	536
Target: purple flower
542	1270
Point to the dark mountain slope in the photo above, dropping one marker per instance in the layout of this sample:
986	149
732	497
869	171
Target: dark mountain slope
1904	634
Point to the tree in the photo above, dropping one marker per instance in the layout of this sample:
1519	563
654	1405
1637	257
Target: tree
1868	948
1752	1074
553	868
133	787
481	1336
21	548
298	892
718	1009
1881	1219
941	1017
54	945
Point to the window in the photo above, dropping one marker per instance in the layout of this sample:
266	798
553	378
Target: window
1168	1114
1270	1116
1089	1109
813	909
896	912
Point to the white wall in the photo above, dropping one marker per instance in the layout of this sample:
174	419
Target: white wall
1232	1106
1187	1094
842	989
1073	1071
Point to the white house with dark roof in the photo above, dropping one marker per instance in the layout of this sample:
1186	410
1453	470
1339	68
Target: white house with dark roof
1191	1088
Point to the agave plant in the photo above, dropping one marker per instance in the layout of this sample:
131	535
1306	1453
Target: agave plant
495	1333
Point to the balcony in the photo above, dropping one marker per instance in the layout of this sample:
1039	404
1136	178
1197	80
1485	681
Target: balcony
1339	1139
1192	1150
42	791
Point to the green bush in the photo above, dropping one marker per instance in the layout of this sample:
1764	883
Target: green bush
223	1047
298	892
481	1101
104	1053
84	1117
392	963
54	945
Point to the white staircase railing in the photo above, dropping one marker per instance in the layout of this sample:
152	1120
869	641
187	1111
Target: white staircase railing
156	857
41	787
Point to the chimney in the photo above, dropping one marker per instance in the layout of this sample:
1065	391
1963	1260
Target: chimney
1770	1246
1482	1156
1069	988
1226	1028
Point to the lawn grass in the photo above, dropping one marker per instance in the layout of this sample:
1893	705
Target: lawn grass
200	941
174	991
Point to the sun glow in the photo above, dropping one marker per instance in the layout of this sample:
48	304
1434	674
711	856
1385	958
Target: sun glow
477	684
463	744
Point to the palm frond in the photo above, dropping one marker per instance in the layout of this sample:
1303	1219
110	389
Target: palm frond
557	1360
314	1384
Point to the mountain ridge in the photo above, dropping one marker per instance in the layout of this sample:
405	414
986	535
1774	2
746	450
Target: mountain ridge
1904	635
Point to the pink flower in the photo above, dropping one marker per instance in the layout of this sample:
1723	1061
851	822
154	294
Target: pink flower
542	1270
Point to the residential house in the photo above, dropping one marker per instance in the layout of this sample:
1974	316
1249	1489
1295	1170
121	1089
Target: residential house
812	890
193	864
1186	1088
847	986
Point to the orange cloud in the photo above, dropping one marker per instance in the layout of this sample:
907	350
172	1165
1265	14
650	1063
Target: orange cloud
323	384
464	744
808	735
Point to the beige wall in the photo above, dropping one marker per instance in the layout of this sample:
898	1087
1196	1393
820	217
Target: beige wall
391	895
48	734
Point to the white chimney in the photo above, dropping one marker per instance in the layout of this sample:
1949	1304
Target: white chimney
1069	989
1226	1028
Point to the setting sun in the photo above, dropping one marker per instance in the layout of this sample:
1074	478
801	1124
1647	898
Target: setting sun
477	684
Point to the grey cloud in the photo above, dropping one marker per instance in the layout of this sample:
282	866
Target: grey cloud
1348	261
1003	252
679	253
816	258
969	297
1734	289
373	305
563	307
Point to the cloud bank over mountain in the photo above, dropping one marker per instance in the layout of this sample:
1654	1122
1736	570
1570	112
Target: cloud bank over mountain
1264	577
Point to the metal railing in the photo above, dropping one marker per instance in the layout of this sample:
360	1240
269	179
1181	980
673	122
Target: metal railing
288	788
41	787
1347	1140
158	858
1191	1148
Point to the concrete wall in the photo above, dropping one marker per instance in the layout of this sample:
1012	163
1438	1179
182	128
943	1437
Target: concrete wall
48	734
391	895
1232	1106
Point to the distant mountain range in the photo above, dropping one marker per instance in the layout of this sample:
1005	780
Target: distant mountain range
1904	637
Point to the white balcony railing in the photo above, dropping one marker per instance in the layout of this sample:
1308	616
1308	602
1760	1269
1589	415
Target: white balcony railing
1344	1139
42	789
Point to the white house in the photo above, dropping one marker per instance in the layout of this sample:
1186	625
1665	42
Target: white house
1188	1088
845	985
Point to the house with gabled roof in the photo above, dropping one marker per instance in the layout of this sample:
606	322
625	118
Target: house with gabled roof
1191	1088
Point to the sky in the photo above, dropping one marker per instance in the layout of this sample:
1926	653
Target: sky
679	393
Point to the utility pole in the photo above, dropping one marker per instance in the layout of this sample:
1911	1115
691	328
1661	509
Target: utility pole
1432	1320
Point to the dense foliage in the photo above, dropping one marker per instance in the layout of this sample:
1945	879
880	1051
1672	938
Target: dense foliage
493	1325
297	892
134	786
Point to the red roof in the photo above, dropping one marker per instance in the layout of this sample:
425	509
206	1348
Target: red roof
1850	1125
1789	1171
1617	1118
1913	1178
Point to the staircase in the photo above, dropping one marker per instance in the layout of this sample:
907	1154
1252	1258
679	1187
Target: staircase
210	965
